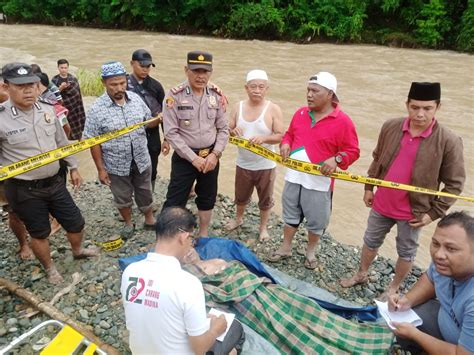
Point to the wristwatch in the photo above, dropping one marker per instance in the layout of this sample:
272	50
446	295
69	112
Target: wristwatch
217	154
338	158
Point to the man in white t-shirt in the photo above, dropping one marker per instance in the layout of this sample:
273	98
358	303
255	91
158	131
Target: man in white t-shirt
164	305
260	121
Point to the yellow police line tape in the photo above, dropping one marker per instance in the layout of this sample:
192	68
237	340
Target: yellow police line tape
36	161
314	169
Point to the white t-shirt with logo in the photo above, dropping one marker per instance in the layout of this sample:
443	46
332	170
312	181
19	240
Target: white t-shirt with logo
163	306
308	181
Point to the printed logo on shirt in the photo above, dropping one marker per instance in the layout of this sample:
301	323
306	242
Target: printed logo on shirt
136	287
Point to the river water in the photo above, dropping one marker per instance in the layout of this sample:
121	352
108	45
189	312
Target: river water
373	82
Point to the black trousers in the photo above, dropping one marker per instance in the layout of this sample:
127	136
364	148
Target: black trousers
235	338
182	177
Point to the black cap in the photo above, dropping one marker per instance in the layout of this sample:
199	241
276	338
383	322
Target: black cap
425	91
200	60
19	73
143	56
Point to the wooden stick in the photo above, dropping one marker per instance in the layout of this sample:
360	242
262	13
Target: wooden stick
55	313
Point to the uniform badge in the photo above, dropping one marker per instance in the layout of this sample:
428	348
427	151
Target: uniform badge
47	118
22	71
187	122
169	102
212	102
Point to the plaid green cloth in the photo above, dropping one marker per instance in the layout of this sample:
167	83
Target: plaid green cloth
292	323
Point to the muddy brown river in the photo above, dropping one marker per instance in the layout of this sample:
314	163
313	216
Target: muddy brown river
373	83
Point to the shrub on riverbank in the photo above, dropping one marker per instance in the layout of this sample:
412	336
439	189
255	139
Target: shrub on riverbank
426	23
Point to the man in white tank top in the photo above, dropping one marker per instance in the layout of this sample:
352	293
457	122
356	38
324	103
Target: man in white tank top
260	121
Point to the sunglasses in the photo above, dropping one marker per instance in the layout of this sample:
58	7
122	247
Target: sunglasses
190	236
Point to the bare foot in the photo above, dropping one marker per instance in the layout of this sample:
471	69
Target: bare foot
86	253
26	253
55	226
359	278
233	224
54	277
264	236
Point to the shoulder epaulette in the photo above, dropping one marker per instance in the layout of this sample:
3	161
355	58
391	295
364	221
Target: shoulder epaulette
178	89
215	88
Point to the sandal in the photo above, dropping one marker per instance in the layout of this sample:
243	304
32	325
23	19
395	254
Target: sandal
354	280
310	264
275	256
87	253
149	227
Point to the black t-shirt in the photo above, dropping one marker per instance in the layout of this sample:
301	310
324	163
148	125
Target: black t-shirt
153	94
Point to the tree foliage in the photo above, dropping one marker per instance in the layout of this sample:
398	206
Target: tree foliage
428	23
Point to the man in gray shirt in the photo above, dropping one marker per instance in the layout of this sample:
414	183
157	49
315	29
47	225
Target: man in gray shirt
28	128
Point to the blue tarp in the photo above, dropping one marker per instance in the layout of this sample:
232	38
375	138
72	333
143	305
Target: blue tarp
210	248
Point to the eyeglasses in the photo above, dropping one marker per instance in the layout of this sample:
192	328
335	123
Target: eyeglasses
190	236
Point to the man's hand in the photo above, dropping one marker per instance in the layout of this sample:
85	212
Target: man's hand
398	302
423	221
165	147
199	163
404	330
368	198
211	162
64	85
218	324
285	151
104	177
76	178
329	166
236	132
258	139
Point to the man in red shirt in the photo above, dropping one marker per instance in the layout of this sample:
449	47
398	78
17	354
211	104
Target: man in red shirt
413	150
322	134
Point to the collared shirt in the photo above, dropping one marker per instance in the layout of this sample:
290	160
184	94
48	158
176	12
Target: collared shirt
317	141
164	305
456	313
118	153
24	134
395	203
194	122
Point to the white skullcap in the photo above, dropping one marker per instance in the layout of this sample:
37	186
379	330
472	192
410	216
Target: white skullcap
257	74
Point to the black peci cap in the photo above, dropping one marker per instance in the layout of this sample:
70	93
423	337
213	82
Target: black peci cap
143	57
425	91
200	60
19	73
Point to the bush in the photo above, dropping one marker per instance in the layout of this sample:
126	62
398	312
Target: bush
433	25
465	40
90	82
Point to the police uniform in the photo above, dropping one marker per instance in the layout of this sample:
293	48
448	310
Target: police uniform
42	190
194	126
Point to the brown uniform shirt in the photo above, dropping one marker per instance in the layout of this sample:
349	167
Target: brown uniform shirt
25	134
193	122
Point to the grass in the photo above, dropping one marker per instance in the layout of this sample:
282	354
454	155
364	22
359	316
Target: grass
90	82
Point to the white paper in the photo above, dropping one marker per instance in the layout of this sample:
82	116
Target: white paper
408	316
229	317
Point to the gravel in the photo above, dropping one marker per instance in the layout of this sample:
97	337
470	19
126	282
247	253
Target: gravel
95	301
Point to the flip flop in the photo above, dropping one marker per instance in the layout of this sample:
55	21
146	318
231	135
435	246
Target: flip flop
354	280
149	227
310	264
234	225
301	250
87	253
275	257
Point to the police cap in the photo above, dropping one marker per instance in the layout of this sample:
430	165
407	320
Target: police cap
200	60
19	73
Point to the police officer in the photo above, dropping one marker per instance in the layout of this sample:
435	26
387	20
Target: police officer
29	128
152	93
197	129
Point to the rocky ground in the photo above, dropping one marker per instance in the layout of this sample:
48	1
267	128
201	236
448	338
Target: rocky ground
95	301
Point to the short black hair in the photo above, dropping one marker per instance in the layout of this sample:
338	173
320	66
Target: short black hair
44	79
173	219
460	218
35	68
62	61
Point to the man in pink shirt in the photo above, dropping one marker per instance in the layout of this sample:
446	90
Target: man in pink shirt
413	150
320	133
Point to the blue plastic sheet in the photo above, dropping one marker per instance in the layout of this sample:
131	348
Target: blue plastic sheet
211	248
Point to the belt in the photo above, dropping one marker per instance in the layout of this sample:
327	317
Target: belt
203	152
37	184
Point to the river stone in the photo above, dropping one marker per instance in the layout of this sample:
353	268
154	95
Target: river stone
84	314
11	321
3	331
104	324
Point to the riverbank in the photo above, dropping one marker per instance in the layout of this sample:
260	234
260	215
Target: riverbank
95	301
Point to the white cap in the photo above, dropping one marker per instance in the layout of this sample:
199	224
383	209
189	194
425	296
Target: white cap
326	80
257	74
